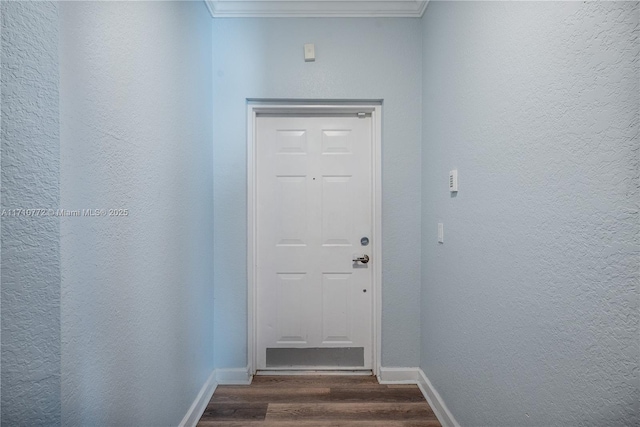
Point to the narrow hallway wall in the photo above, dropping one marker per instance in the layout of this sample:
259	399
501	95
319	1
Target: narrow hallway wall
30	266
106	109
530	306
136	134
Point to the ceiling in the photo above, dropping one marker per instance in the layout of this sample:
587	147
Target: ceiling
316	8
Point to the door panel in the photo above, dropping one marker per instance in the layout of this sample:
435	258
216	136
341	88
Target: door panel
291	198
337	219
291	320
314	204
336	142
292	142
336	324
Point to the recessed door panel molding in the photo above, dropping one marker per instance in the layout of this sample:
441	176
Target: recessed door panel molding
291	197
336	311
337	211
336	142
291	142
291	321
314	195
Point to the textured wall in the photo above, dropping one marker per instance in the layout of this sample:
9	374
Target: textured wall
356	59
30	352
530	307
137	291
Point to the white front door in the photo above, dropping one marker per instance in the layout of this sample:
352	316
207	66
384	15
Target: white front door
314	217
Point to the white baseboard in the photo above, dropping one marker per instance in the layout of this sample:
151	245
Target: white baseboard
398	375
233	376
417	376
198	406
435	401
283	372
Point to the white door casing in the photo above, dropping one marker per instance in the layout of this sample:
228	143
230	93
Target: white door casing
313	194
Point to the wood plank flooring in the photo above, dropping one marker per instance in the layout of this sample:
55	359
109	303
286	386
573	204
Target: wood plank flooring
323	400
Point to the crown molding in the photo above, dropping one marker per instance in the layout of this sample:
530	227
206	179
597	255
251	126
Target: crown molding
316	8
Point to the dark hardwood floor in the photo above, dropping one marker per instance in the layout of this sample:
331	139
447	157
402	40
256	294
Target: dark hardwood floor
325	400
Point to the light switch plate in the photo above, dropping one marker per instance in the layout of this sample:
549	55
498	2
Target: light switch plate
440	232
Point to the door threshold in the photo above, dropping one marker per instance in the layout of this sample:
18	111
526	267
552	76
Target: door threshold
365	372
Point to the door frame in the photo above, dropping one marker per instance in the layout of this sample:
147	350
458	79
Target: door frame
298	107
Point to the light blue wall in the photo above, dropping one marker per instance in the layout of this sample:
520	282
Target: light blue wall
530	307
356	59
30	351
136	133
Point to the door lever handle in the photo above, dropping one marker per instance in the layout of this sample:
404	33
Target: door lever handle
363	259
